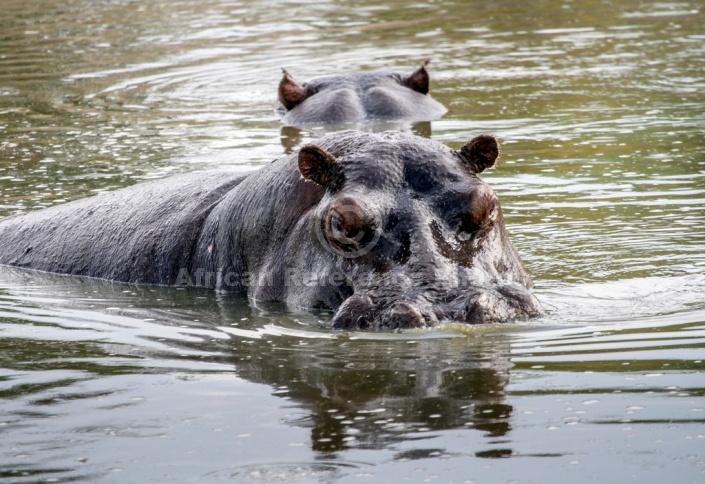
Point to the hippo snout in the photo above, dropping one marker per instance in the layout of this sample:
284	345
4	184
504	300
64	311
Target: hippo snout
501	303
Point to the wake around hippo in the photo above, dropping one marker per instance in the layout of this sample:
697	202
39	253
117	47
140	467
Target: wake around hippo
351	98
388	230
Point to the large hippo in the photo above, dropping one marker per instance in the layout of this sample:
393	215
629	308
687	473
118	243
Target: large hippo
389	230
355	97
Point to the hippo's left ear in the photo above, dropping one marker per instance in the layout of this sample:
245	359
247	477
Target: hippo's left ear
480	153
291	93
316	164
419	80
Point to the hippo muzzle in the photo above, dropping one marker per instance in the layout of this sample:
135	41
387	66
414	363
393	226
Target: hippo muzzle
471	305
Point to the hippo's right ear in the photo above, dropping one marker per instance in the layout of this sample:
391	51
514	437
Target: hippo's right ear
480	153
291	93
419	80
316	164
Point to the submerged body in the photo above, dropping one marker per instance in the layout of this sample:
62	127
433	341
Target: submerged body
351	98
389	230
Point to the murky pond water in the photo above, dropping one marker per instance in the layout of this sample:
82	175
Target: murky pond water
600	107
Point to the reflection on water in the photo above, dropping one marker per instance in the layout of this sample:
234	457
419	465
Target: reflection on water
93	370
65	337
602	181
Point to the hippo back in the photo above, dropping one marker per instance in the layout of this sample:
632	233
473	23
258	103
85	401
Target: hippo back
141	234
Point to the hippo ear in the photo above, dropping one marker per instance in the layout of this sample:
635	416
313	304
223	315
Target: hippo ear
480	153
291	93
419	80
316	164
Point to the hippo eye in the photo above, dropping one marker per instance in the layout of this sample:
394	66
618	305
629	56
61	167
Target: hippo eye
479	216
337	225
311	90
348	226
467	227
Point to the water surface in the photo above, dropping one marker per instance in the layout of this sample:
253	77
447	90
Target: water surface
600	109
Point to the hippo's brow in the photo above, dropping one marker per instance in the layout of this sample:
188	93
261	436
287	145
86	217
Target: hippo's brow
429	177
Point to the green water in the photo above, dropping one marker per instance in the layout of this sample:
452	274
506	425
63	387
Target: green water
600	110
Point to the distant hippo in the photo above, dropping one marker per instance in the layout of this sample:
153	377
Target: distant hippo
389	230
355	97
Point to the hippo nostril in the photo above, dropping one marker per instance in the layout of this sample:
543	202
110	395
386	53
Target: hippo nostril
477	308
404	315
501	303
354	313
431	319
363	322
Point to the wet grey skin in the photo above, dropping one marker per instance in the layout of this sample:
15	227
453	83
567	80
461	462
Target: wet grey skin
350	98
387	230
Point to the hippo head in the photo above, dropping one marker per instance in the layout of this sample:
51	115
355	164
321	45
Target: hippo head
355	97
417	236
